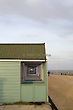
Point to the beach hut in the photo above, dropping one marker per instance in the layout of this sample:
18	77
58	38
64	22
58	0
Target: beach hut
23	73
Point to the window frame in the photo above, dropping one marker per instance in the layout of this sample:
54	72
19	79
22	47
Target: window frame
40	66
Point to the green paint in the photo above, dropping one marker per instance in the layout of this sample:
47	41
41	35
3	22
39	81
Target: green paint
35	91
23	51
11	89
9	82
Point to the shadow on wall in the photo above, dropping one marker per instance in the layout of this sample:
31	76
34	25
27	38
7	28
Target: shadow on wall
1	91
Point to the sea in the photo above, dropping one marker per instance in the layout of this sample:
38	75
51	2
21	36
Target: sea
61	71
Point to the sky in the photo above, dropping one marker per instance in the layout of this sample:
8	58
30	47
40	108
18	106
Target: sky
49	21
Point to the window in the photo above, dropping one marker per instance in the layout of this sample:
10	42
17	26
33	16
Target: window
31	72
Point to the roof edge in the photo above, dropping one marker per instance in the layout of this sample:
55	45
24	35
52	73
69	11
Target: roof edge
11	43
23	60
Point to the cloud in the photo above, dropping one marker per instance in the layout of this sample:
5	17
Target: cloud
23	28
49	21
61	60
38	9
63	28
55	16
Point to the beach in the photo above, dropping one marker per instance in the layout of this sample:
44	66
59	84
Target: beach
60	90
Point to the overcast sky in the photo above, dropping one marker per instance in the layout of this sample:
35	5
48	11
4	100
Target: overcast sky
49	21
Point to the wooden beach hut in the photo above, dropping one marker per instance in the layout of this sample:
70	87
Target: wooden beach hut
23	73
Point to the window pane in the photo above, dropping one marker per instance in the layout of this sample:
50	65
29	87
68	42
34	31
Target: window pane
32	72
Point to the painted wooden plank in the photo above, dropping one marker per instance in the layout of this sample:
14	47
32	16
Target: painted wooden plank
36	91
40	94
27	93
9	82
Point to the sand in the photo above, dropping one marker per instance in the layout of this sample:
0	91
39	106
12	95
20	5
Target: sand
26	107
60	89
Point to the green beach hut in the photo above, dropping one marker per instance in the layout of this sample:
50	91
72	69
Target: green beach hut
23	73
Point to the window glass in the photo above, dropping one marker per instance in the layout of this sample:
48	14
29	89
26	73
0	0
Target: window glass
32	71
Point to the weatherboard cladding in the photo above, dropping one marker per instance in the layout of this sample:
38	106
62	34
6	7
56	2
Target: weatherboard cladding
11	89
23	51
9	82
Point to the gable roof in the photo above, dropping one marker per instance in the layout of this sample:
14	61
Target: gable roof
23	51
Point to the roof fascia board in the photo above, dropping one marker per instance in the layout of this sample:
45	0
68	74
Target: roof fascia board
22	60
33	43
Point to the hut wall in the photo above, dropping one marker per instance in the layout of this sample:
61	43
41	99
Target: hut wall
11	89
9	82
36	91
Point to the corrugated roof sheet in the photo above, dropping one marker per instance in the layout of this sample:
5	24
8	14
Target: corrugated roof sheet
23	51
